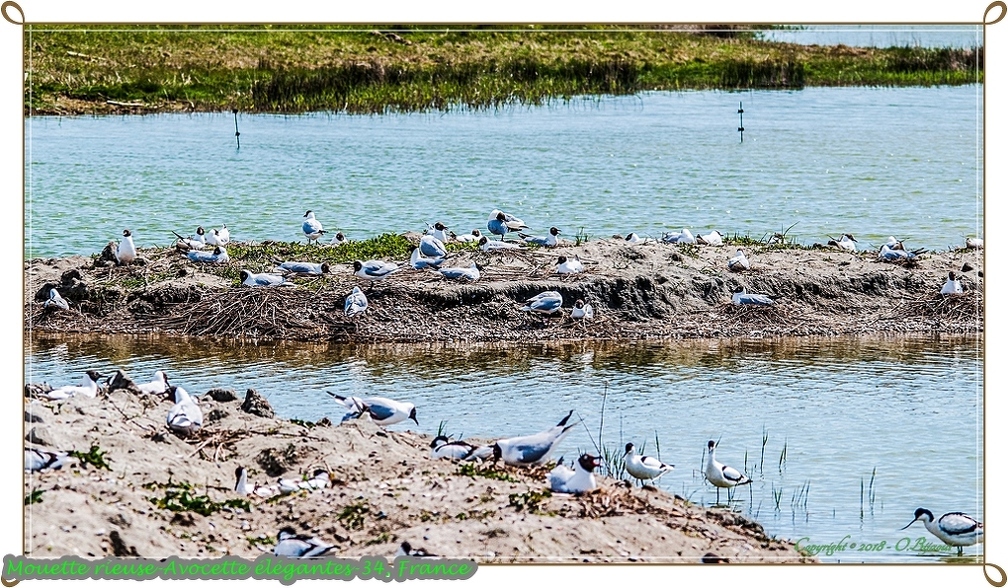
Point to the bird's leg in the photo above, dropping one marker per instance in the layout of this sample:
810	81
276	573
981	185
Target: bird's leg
960	551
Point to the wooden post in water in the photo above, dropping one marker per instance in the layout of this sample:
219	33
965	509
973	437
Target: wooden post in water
741	129
237	134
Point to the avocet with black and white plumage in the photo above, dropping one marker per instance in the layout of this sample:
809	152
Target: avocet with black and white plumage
720	475
954	528
644	467
290	544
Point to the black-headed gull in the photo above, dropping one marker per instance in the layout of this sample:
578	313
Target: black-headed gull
633	239
430	246
473	236
956	529
740	296
290	544
263	280
439	231
643	468
218	237
311	227
407	550
577	481
974	243
37	460
532	449
582	310
56	301
952	285
720	475
339	239
548	302
243	488
738	262
550	240
374	269
218	255
566	265
470	273
355	303
88	387
185	416
501	223
126	252
320	479
684	236
159	385
304	268
383	411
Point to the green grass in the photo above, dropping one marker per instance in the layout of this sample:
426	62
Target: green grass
470	469
356	69
183	497
34	498
94	457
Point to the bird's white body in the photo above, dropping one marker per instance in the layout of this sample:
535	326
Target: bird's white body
488	246
218	255
355	303
566	265
887	253
218	237
684	236
643	467
582	310
418	261
742	297
738	262
471	237
185	416
88	387
156	386
304	268
126	252
552	239
37	460
243	488
721	475
532	449
290	544
430	246
56	301
383	411
634	239
374	269
974	243
263	280
713	239
444	448
311	227
847	243
470	273
579	480
547	302
952	286
955	528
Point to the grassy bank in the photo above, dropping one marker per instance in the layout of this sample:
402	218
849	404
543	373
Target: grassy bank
365	70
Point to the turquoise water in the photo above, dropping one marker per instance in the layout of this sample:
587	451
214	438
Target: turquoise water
869	161
908	409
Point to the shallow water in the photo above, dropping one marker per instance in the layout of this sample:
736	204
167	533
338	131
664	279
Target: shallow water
908	408
869	161
860	35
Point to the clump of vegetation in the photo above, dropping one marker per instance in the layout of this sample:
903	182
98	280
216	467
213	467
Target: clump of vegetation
530	501
470	469
34	497
255	541
94	457
183	497
353	516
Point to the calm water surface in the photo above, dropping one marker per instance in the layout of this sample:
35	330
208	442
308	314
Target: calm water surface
958	36
908	409
870	161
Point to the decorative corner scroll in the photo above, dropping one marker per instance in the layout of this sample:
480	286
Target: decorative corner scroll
3	580
993	5
1000	570
5	10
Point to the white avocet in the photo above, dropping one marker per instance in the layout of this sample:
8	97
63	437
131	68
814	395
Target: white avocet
643	467
720	475
954	528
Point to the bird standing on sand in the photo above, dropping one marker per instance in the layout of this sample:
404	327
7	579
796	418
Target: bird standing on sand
952	285
956	529
720	475
355	303
126	251
56	301
311	227
185	416
643	468
502	223
532	449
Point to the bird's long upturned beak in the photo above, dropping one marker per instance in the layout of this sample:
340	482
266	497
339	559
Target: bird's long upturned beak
908	524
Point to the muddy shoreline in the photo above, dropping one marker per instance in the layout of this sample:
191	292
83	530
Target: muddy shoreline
652	291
